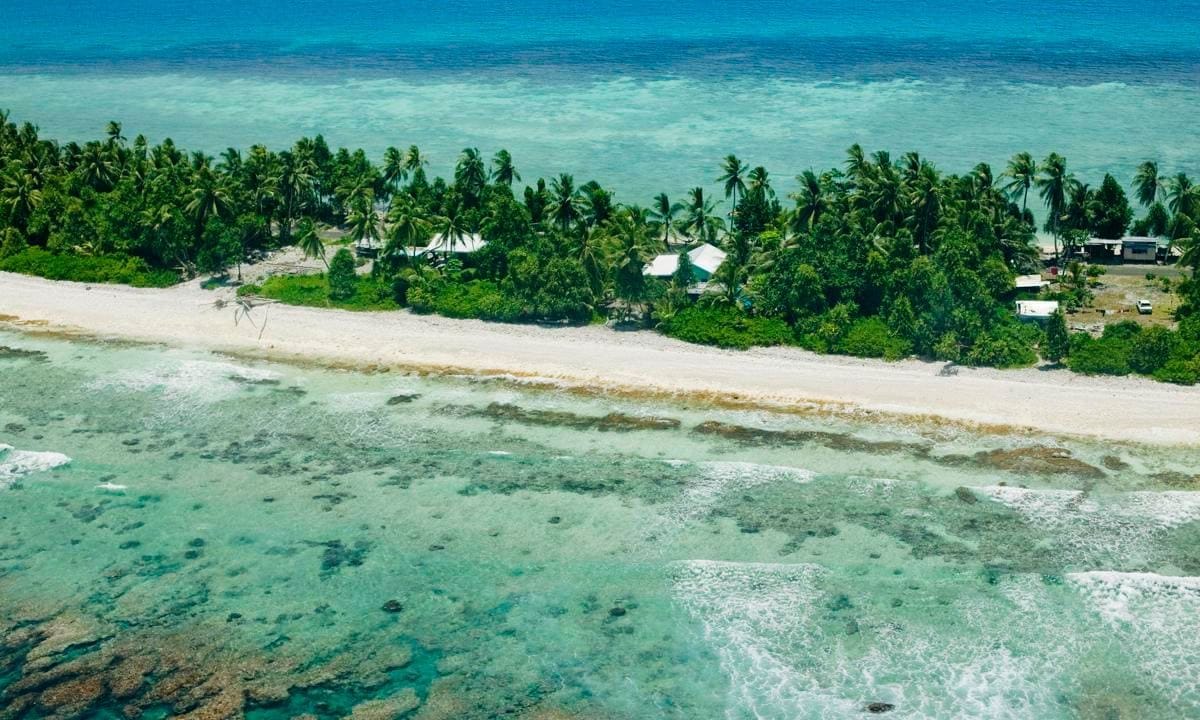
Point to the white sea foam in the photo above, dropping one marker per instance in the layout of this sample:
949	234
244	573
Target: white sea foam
755	616
15	464
709	483
194	381
1156	619
786	657
1117	524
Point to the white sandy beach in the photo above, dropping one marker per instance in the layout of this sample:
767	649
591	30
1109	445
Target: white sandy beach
599	358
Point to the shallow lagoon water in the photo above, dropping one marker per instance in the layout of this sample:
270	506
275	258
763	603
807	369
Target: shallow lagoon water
233	537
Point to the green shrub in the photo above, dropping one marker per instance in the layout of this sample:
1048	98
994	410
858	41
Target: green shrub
725	327
1180	372
341	276
313	291
871	338
1152	349
1107	356
1003	350
121	269
480	299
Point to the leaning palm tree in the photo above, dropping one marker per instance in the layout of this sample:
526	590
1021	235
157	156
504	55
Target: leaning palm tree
503	171
1181	196
1054	186
309	241
664	214
1022	174
733	177
1147	184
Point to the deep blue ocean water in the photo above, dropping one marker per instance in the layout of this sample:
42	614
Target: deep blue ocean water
642	96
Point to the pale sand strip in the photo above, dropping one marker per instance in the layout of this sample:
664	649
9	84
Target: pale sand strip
599	358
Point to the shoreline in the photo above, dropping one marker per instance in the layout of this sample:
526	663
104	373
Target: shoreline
599	360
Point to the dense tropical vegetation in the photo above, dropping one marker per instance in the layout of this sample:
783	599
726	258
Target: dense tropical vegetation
883	257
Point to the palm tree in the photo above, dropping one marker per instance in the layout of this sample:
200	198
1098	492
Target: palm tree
470	174
598	205
1022	175
701	222
733	177
503	171
1147	184
760	182
1180	195
1191	253
811	202
451	226
20	195
363	222
566	207
631	249
394	169
1054	186
414	163
209	198
309	241
96	167
407	227
664	213
926	203
113	131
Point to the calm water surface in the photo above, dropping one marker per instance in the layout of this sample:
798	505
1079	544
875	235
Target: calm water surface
188	533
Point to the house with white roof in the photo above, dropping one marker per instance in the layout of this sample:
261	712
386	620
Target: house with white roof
705	260
1036	310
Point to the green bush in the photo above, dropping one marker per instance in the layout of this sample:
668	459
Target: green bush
480	299
121	269
313	291
341	276
1108	355
1180	372
871	338
1152	349
725	327
1001	350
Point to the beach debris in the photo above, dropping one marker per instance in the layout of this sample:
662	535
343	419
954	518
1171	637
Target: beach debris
402	399
878	708
244	307
392	606
112	487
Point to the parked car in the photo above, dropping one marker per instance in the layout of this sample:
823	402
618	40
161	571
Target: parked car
1144	307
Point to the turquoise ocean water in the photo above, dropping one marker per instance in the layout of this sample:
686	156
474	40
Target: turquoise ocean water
644	97
184	534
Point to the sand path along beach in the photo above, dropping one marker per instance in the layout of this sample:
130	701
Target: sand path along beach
601	359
